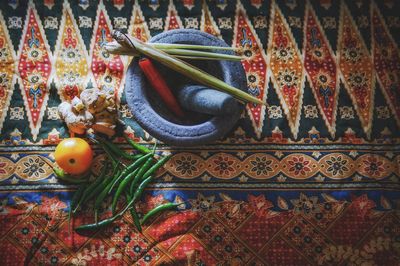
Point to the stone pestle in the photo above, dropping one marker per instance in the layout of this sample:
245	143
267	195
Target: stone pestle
204	100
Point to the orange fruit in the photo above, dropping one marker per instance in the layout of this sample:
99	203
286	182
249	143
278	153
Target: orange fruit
74	156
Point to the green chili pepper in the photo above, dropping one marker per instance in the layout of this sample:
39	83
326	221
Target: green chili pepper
129	169
105	222
153	151
141	188
97	225
62	175
116	178
103	188
158	209
135	164
137	146
137	156
104	192
135	216
141	172
70	179
110	220
75	198
116	150
122	186
136	220
155	167
109	154
96	216
90	190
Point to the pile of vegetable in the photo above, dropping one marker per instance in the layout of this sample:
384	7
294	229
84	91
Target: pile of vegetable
123	178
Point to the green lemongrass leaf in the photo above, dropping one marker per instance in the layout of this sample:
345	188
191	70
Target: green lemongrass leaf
132	53
190	46
116	48
184	68
202	58
199	53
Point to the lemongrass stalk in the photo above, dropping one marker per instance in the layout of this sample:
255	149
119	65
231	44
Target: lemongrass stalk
201	58
190	46
130	52
183	67
199	53
116	48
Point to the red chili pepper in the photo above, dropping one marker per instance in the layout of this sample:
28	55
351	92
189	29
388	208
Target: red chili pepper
159	84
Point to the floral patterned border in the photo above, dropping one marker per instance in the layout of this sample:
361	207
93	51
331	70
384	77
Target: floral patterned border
279	165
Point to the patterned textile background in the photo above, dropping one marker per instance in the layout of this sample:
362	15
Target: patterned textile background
310	179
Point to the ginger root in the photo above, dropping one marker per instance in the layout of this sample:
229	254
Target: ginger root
94	109
101	104
77	118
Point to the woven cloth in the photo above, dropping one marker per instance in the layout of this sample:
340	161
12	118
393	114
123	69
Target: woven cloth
312	178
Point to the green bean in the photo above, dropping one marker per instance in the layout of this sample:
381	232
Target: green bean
158	209
137	146
90	190
107	221
135	216
155	167
122	186
141	172
129	169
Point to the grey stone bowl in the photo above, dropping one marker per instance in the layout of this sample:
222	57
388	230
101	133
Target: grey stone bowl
154	117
